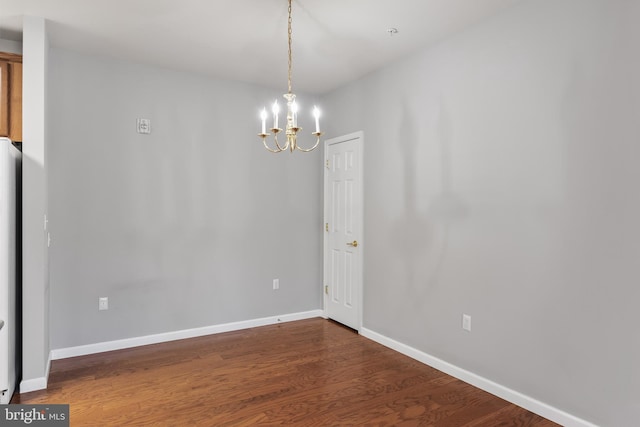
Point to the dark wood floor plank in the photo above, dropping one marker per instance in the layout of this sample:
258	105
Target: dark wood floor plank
308	373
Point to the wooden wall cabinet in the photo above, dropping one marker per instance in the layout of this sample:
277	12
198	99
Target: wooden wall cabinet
11	96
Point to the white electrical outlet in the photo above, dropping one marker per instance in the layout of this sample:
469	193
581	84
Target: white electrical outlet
466	322
143	126
276	284
103	303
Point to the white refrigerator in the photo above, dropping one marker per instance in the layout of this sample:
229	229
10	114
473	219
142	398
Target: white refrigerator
10	184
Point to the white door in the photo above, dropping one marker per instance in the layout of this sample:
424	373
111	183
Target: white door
343	229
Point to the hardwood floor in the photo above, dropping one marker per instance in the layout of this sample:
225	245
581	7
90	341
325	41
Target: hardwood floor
308	373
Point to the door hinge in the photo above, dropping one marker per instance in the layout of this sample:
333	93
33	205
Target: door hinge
327	164
326	289
326	226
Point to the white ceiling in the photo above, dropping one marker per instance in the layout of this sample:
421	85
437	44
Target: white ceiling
334	41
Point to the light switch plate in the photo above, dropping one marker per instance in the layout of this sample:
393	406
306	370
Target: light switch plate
466	322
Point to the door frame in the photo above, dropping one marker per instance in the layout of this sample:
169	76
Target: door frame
359	135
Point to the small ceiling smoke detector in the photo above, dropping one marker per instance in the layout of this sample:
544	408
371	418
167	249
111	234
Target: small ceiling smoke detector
392	31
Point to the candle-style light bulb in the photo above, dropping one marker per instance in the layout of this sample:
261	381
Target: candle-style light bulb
316	114
263	116
276	110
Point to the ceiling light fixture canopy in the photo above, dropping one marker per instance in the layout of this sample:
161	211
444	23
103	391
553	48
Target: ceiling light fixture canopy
291	126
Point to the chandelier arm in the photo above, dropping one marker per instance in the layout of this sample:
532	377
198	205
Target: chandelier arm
275	138
306	150
264	141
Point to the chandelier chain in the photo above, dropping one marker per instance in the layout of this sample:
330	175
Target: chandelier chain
289	56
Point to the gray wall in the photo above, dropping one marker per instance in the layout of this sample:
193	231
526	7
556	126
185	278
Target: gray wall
182	228
501	181
35	260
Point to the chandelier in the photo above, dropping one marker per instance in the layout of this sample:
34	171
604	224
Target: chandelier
291	126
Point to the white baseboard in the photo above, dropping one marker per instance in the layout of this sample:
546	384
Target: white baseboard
517	398
35	384
63	353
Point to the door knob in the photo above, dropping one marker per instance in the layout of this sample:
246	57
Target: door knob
354	244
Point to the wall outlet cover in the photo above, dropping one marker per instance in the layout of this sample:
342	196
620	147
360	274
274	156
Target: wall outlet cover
143	126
